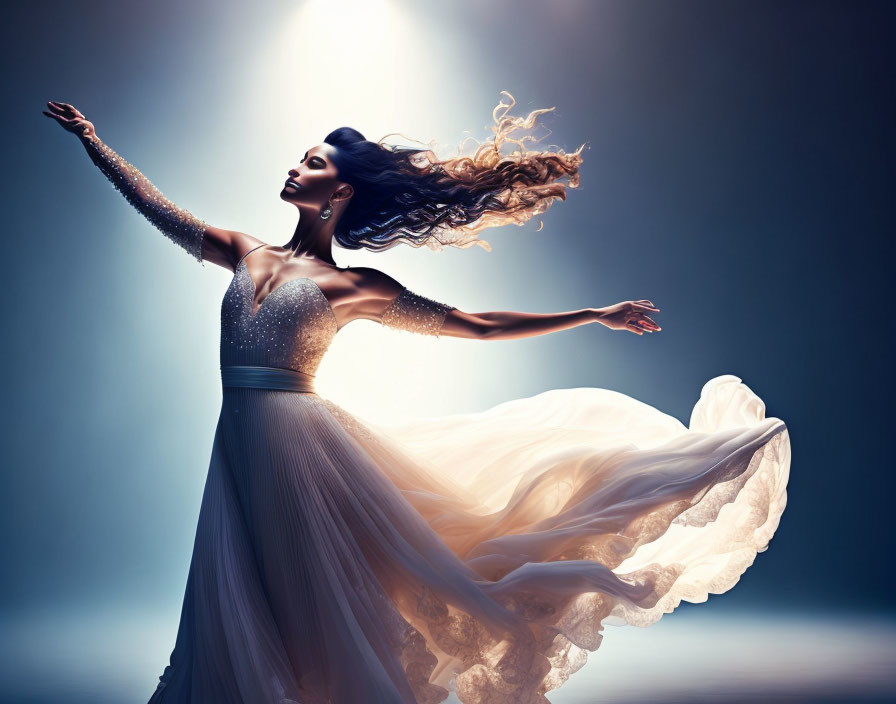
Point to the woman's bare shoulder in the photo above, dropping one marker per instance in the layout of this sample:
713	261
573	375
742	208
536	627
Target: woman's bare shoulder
244	243
373	283
226	247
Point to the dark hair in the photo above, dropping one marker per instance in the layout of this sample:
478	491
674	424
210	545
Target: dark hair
405	194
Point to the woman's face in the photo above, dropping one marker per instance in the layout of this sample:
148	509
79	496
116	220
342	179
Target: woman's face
313	180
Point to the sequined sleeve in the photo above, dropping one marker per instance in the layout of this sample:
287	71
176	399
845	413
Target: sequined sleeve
178	225
414	313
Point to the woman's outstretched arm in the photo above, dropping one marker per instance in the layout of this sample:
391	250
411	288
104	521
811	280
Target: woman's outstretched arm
381	298
510	325
200	240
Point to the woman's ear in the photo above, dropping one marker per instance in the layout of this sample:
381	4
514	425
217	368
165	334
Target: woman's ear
344	192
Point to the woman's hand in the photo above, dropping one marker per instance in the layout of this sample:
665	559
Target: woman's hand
71	119
629	315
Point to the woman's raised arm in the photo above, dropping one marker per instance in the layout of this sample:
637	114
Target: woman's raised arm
202	241
381	298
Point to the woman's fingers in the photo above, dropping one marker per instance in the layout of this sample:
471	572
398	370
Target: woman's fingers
64	108
58	118
642	324
58	111
72	124
639	319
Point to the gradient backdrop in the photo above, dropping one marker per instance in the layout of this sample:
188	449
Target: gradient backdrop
739	173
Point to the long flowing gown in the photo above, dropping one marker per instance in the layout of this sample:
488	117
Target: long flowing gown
338	561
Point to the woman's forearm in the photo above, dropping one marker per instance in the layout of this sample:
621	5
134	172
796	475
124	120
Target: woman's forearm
511	325
177	224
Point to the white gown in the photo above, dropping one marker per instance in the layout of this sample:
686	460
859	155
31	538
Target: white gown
338	561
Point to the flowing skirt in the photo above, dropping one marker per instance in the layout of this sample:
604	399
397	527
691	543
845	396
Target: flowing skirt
340	561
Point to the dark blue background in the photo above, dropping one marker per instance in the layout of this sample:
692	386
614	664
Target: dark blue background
739	172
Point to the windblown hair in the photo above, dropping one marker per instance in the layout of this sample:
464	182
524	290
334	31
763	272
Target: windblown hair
403	194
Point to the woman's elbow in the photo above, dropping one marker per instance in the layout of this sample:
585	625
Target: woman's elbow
471	326
486	330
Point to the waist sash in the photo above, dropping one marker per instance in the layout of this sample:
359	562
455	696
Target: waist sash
267	378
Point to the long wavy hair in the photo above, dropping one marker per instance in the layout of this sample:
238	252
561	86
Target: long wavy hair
408	195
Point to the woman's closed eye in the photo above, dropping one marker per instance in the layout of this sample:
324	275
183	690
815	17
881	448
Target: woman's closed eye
315	161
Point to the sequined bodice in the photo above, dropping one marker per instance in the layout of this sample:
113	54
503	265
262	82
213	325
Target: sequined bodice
292	329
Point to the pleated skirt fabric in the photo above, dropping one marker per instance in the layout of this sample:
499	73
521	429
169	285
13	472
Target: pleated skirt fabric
340	561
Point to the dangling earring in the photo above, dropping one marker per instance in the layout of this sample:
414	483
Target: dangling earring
326	212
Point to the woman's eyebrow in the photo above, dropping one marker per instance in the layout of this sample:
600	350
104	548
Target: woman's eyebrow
315	157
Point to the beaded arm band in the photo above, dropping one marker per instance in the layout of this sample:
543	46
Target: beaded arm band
414	313
178	225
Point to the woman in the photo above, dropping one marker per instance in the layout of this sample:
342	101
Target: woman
338	562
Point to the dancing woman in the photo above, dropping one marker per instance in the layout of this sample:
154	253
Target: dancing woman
335	561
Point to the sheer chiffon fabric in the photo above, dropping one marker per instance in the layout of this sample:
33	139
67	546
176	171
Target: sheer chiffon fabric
340	561
343	562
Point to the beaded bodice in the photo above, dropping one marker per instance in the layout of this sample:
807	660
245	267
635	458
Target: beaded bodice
292	328
295	324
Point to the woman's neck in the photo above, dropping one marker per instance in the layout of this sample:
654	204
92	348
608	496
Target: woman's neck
313	238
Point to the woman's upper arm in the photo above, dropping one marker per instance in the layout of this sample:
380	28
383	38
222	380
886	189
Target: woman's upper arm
225	247
373	292
386	301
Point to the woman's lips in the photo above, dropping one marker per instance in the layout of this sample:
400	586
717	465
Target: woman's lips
292	184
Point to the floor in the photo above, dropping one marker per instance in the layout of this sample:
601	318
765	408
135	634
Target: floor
114	655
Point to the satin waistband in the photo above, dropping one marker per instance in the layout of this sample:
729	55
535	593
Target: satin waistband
250	376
